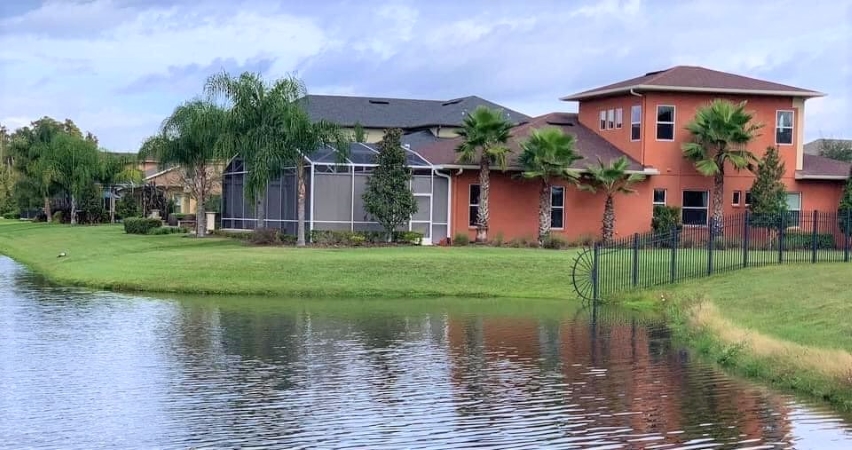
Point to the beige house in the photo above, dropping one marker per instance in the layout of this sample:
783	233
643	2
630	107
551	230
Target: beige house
171	180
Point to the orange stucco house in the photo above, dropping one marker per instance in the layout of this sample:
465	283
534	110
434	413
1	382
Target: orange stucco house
644	119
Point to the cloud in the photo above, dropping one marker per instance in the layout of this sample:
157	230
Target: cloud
117	67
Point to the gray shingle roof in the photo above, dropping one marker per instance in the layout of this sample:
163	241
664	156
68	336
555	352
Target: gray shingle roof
376	112
814	147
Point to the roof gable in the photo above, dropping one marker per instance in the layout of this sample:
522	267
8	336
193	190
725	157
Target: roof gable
695	79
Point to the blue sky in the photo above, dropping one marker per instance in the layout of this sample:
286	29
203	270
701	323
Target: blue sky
117	67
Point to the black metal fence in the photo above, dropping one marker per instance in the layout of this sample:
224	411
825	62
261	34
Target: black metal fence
739	241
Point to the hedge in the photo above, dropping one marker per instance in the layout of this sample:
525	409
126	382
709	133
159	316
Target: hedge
357	238
139	225
804	240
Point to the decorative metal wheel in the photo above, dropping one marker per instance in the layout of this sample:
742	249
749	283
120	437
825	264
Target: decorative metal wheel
582	274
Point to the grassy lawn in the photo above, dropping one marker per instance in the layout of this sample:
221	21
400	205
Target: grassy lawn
103	257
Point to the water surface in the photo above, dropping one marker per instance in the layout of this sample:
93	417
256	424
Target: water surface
101	370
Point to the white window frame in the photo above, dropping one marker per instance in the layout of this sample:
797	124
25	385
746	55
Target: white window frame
740	200
602	119
610	119
619	118
778	128
684	207
672	123
553	208
789	210
639	122
665	197
471	221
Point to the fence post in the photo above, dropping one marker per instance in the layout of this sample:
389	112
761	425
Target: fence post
745	239
596	271
847	230
780	238
635	259
710	246
674	255
814	237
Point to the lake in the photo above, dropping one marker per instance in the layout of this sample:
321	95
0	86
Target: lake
102	370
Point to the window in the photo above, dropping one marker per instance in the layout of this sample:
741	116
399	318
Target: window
473	204
748	198
619	118
784	127
659	197
738	195
610	119
635	122
695	207
603	119
557	207
794	209
665	123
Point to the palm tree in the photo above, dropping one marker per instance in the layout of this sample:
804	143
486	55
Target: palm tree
190	138
720	132
612	178
116	169
548	154
485	133
257	127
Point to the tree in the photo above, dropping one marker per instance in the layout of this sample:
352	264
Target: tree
720	133
768	194
838	149
74	165
191	139
358	133
484	135
116	169
612	178
257	127
547	155
845	209
388	197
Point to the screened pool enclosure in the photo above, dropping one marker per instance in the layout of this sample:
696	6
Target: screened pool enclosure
334	193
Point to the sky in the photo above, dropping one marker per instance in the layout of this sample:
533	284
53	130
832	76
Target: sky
118	67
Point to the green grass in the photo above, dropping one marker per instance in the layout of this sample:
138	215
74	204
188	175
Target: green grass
103	257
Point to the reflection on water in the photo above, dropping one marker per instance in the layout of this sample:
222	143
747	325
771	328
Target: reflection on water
82	370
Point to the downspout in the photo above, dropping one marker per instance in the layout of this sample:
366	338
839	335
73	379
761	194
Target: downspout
449	199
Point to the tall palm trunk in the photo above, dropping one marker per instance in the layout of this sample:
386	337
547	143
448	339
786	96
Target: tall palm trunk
47	212
608	219
544	209
718	200
73	209
300	202
201	197
260	213
484	188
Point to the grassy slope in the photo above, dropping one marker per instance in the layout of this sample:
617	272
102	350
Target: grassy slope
104	257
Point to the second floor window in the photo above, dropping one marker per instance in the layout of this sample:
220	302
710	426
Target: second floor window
603	119
619	117
784	127
665	122
610	119
635	122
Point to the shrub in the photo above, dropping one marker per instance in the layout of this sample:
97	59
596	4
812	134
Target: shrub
264	236
523	242
554	242
127	207
461	239
585	240
11	215
57	217
358	240
797	240
166	230
287	239
666	218
409	237
498	240
241	235
139	225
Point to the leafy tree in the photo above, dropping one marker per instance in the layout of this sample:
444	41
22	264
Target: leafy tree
7	172
720	133
74	165
116	169
611	178
838	149
191	139
257	127
768	194
547	155
484	134
359	134
388	197
127	207
845	209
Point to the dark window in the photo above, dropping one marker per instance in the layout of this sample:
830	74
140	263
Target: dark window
784	127
736	198
695	207
659	196
748	198
557	207
665	123
610	119
635	122
603	119
619	117
473	204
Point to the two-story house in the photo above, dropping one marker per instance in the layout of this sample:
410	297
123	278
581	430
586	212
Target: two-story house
644	119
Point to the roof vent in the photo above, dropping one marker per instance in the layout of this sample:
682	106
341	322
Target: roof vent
654	73
380	102
564	123
454	101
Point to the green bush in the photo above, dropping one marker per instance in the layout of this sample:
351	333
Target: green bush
11	215
240	235
287	239
585	240
127	207
166	230
357	238
409	237
498	240
797	240
264	236
139	225
554	242
523	242
57	217
461	239
666	218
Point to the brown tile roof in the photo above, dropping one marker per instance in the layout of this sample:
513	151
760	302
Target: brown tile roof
588	143
695	79
821	168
